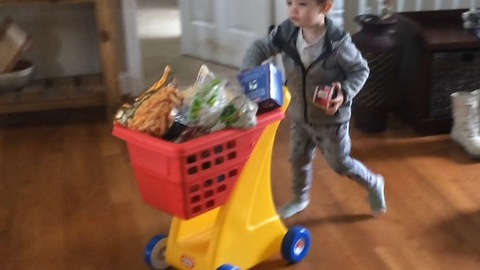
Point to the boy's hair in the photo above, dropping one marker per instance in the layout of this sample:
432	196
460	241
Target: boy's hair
321	2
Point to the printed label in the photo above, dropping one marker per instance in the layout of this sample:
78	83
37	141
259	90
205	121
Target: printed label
187	262
322	96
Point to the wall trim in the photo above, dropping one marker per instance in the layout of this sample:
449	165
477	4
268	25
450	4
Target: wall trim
131	79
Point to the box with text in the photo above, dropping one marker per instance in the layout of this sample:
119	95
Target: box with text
264	85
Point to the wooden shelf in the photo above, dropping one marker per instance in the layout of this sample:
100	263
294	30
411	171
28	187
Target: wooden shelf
59	93
80	91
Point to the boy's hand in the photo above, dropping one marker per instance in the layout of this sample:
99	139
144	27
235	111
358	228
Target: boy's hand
337	101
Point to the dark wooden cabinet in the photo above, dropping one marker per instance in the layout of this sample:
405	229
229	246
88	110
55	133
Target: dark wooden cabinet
439	57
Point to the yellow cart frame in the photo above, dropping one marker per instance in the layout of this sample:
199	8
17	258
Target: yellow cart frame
239	234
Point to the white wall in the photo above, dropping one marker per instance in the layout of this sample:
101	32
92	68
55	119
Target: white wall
131	78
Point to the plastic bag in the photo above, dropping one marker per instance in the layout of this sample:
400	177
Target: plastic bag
239	113
205	100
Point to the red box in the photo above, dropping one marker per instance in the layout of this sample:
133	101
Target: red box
191	178
323	95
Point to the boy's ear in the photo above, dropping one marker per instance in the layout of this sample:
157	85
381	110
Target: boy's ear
327	6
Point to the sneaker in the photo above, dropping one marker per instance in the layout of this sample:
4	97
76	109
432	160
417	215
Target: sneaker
376	197
292	208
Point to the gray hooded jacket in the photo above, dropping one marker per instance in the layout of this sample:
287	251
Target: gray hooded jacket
340	61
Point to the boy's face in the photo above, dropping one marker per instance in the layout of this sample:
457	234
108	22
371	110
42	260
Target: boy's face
306	13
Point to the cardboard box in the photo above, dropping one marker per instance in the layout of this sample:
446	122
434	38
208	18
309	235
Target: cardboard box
13	43
264	85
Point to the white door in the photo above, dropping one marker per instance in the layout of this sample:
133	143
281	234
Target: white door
221	30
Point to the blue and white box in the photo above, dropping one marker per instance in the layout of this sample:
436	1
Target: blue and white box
263	85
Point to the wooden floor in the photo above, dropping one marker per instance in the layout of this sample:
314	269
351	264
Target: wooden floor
68	201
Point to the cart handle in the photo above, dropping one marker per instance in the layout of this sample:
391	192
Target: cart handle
286	99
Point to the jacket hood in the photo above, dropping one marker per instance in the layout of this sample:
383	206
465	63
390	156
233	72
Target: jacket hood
287	32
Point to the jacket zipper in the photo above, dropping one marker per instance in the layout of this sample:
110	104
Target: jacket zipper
304	83
304	91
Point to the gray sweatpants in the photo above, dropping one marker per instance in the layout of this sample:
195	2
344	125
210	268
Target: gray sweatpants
334	143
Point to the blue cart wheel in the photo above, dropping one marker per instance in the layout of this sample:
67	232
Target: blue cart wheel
296	244
155	252
228	267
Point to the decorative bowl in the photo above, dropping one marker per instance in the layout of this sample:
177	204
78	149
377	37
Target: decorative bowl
18	78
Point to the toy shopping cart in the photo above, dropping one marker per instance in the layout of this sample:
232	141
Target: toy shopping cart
217	188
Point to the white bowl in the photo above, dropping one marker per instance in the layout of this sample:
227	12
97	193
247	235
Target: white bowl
18	78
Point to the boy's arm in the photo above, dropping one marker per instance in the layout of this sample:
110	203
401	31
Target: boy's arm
355	67
259	51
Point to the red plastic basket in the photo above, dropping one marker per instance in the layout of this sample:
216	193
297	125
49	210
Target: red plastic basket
191	178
